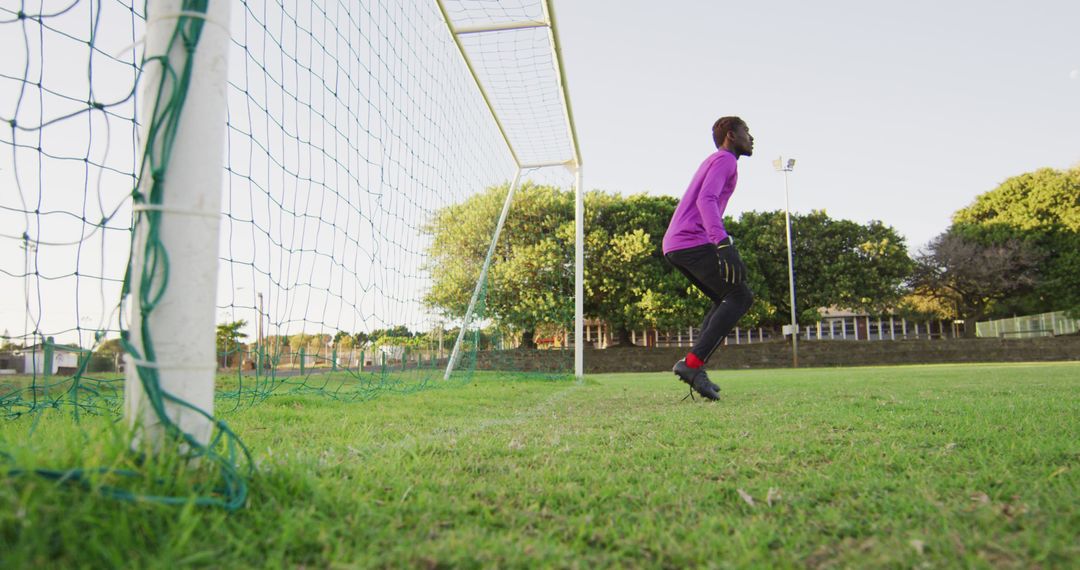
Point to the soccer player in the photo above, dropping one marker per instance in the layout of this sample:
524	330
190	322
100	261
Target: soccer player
697	244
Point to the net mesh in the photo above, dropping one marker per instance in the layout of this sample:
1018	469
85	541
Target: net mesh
348	129
358	147
68	163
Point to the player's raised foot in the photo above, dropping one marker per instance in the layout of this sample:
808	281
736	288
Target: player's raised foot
697	379
687	374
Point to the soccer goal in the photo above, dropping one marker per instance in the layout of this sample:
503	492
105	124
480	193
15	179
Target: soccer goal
207	203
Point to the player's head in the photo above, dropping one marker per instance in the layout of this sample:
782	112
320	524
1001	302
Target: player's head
733	134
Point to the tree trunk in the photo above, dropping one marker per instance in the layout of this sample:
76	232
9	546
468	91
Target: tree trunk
622	337
528	339
969	325
975	312
969	328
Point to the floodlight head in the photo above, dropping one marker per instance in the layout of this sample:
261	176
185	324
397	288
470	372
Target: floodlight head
781	166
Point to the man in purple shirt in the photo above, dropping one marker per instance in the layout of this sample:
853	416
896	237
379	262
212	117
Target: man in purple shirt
697	244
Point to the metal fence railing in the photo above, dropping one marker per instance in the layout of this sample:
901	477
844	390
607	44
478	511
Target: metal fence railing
1045	324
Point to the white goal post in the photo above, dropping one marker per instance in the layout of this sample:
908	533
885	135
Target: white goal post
171	315
572	162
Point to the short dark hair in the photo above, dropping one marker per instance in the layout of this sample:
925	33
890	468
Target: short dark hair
723	126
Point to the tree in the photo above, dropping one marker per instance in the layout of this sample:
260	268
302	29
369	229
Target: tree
300	341
104	358
1040	200
918	306
228	340
399	331
311	343
615	279
275	345
623	258
838	263
1041	208
6	344
485	338
530	282
628	282
344	340
972	274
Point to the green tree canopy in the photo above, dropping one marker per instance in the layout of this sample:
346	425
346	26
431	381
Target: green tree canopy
1041	208
530	283
1043	200
400	331
229	336
311	343
6	343
628	283
106	355
110	346
344	340
838	263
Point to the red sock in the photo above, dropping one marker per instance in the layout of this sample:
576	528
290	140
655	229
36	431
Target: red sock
693	361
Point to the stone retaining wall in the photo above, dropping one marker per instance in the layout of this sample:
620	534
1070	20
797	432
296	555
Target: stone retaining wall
811	354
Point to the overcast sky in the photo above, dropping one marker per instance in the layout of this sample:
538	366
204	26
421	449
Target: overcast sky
900	112
896	111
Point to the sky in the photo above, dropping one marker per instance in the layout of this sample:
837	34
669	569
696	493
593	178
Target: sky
899	112
902	112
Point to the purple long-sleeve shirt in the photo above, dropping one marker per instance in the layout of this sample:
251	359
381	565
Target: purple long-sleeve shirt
699	218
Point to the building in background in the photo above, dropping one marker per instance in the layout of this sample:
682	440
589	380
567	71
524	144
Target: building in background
31	359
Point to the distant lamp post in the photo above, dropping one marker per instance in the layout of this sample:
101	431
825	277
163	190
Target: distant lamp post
260	343
786	167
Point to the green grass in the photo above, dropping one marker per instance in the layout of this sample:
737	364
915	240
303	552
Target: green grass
930	466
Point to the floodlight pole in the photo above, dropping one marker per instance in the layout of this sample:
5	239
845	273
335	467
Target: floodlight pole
786	168
260	344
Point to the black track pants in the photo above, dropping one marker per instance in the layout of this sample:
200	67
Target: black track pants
720	274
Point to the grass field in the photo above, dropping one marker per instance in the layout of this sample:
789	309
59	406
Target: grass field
929	466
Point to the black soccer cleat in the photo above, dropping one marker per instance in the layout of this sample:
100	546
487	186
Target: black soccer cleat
697	379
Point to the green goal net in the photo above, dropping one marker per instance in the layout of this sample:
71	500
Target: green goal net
370	151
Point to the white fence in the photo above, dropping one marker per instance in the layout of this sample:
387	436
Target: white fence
847	328
1045	324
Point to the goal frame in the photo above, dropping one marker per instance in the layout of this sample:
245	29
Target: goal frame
574	165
